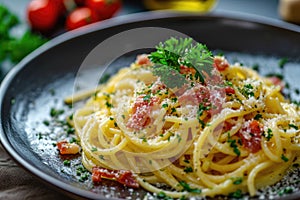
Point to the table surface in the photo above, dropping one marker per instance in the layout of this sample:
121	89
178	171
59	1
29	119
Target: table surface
27	186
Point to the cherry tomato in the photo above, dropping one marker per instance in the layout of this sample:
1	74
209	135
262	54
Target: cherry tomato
42	14
81	17
105	8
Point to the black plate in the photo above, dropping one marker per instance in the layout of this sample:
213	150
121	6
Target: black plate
44	78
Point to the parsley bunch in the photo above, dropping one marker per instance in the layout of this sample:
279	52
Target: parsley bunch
173	53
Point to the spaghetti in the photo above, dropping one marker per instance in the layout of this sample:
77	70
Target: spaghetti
234	132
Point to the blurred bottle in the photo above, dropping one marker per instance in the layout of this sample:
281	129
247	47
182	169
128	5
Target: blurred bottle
181	5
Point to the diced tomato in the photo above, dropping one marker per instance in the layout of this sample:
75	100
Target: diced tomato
251	136
229	90
141	112
220	63
124	177
65	147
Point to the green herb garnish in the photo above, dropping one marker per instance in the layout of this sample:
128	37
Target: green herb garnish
188	169
293	126
284	158
173	53
186	187
237	194
233	144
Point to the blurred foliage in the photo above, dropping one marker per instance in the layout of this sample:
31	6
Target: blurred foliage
14	48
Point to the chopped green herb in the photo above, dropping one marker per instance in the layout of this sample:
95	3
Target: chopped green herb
293	126
55	113
228	83
109	105
40	136
70	130
147	98
287	190
284	158
237	194
201	110
104	78
46	122
188	169
186	187
247	90
94	149
67	162
101	157
233	144
173	110
256	67
258	116
165	105
174	99
144	139
73	140
269	134
282	62
237	180
162	195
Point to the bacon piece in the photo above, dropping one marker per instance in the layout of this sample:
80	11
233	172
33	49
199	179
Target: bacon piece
65	147
143	59
124	177
251	136
220	63
195	95
141	112
277	81
229	90
186	70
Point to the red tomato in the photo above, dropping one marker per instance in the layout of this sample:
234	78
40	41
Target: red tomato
252	141
81	17
43	14
220	63
105	8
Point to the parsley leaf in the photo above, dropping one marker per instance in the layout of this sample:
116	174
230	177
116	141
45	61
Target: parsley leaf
173	53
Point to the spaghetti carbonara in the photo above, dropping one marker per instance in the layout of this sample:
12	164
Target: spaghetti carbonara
233	132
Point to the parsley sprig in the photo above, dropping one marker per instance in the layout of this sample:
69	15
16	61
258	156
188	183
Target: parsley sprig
173	53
